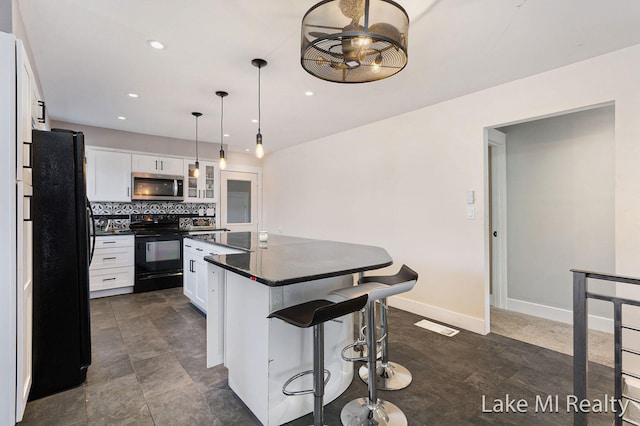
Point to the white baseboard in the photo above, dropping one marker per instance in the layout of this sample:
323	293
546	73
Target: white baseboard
557	314
442	315
110	292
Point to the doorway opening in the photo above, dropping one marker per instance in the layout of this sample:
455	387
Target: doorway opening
550	208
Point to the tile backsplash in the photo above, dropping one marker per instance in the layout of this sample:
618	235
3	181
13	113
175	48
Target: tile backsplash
149	207
119	213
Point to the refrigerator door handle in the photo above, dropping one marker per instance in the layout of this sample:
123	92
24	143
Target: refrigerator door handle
92	234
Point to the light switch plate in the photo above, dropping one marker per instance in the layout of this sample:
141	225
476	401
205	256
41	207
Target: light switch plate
471	198
471	212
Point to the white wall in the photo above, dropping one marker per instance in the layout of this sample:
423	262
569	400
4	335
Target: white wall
401	183
19	30
560	204
118	139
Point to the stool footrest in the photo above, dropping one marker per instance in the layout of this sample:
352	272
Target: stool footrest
327	374
351	346
363	357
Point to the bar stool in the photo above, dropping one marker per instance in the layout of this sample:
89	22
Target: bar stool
389	376
314	314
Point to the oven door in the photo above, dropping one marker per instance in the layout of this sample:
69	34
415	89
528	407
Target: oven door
158	262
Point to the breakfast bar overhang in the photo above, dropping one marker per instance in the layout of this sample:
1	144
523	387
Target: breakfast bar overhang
262	354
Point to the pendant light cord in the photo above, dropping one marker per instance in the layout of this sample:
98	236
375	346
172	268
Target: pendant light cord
259	91
196	138
221	123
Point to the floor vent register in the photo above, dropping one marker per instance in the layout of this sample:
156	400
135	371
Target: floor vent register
437	328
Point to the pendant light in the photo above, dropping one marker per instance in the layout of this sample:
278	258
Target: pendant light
196	171
354	41
259	63
223	161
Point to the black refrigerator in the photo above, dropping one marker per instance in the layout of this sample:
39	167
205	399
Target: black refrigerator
61	251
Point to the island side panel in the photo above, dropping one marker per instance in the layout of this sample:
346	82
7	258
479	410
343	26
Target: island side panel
291	350
246	342
215	314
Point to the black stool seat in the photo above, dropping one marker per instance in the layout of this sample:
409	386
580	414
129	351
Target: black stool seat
314	312
405	274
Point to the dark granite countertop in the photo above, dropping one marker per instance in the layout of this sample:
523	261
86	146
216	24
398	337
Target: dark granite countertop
285	260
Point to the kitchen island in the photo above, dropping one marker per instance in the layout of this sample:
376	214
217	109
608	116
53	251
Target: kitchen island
260	353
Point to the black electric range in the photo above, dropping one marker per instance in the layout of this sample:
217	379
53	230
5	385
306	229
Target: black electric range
158	251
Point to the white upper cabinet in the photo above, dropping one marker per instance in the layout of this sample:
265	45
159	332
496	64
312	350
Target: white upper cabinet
156	165
38	109
25	87
201	189
108	175
31	106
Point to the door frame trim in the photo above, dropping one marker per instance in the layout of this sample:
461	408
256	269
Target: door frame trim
497	140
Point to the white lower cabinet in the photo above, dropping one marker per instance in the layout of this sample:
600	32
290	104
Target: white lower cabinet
105	279
190	267
112	268
194	272
197	272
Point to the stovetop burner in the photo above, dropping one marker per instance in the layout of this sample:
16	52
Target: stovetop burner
155	223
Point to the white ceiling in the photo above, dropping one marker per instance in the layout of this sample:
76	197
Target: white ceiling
91	53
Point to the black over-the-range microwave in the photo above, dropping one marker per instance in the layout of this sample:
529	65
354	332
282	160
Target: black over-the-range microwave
148	186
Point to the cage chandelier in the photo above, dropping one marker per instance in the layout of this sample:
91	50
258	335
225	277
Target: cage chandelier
354	41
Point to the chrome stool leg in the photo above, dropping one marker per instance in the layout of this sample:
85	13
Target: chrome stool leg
358	350
389	375
372	410
318	374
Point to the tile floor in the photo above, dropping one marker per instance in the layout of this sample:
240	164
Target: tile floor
149	369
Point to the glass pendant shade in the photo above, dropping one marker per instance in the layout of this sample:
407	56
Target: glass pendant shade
259	147
354	41
223	162
259	63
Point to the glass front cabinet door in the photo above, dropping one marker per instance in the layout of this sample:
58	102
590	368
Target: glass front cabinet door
201	188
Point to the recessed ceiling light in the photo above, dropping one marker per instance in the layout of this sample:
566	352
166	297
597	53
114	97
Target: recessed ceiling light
133	95
155	44
254	120
226	135
247	150
121	117
309	93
